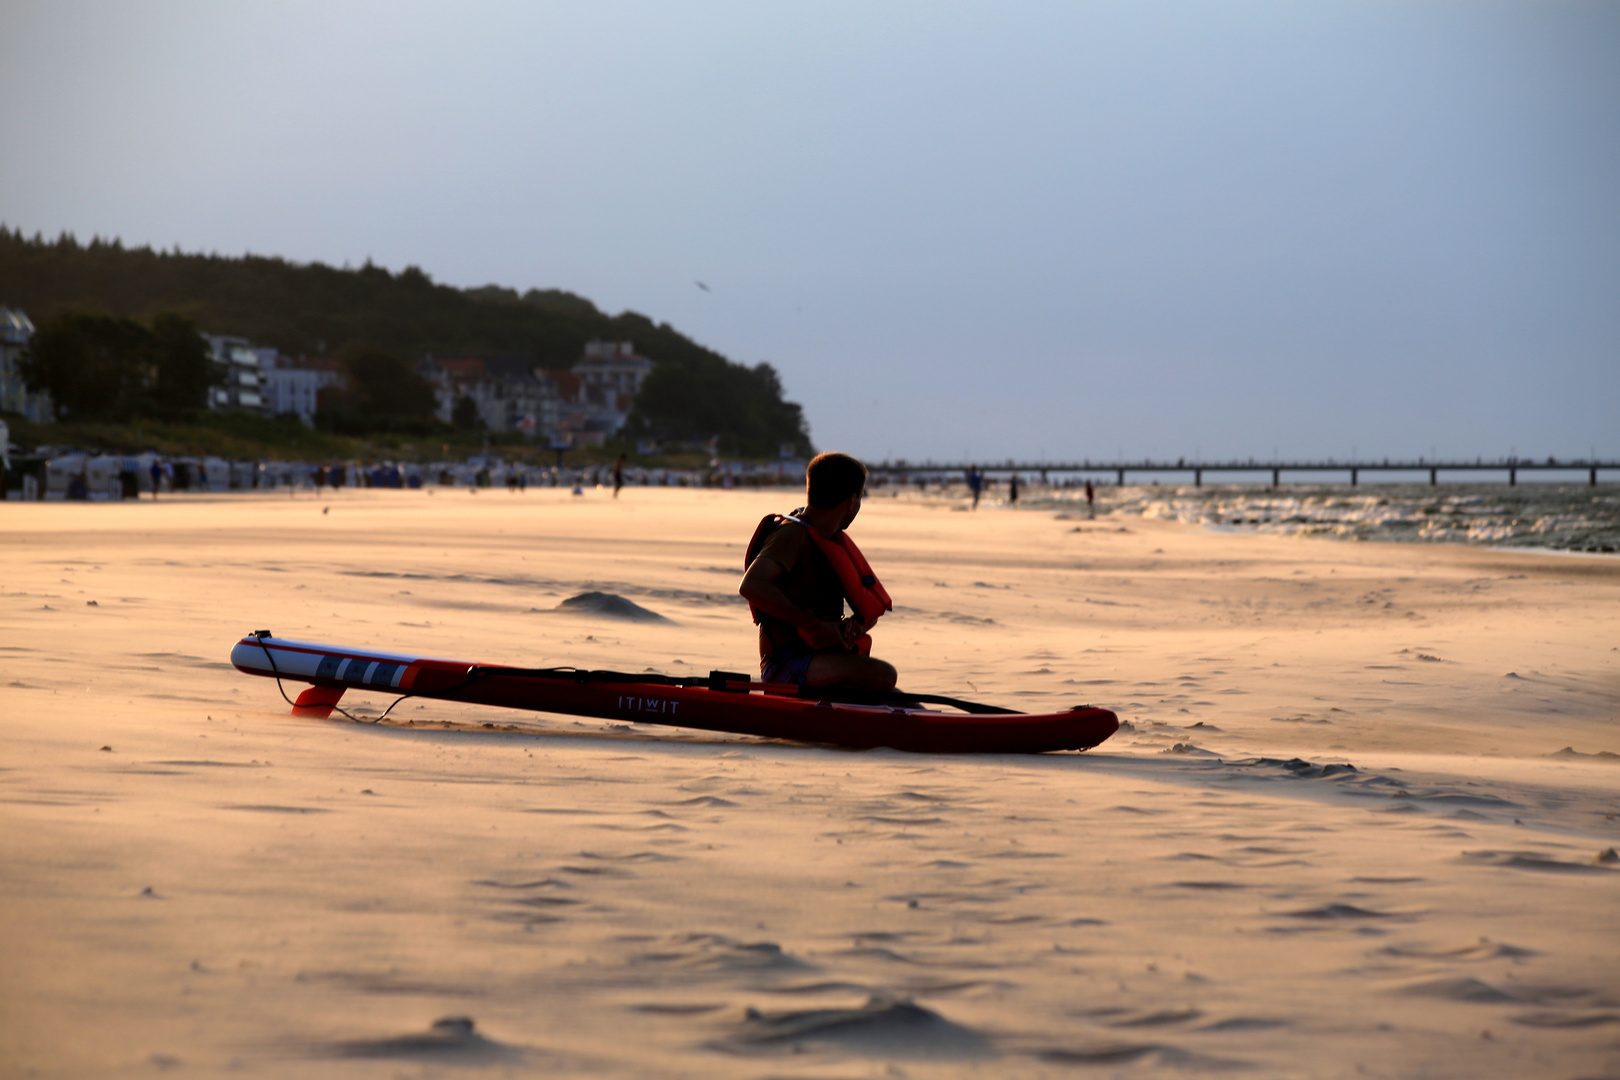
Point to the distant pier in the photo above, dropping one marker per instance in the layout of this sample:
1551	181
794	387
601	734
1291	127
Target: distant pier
1511	467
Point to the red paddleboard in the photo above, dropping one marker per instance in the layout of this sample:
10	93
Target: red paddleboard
724	701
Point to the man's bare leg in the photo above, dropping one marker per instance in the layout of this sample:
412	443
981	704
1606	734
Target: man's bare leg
850	669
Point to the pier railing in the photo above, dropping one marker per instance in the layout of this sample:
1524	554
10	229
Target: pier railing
1512	467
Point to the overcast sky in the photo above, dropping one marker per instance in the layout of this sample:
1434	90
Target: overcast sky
997	229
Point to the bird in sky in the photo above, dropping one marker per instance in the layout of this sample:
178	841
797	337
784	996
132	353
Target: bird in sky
702	286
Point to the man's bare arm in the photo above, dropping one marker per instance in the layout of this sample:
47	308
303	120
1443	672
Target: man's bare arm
760	589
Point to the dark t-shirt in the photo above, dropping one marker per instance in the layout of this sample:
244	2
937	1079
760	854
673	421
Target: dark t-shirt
808	580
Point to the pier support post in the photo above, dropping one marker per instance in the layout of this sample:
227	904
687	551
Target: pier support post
1513	477
1591	476
1198	477
1353	474
1121	477
1434	477
1276	478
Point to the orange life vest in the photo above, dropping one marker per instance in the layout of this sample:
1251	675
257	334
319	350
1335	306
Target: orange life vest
864	591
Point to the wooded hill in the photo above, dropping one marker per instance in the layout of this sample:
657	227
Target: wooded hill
312	309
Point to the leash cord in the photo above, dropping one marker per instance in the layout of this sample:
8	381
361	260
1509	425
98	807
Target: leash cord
260	635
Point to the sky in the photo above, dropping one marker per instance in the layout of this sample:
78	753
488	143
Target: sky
1043	231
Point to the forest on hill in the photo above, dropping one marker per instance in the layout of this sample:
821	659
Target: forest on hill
693	393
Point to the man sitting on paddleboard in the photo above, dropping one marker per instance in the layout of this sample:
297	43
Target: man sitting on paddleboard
802	567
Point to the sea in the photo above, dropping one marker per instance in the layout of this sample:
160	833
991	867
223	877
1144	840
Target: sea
1562	517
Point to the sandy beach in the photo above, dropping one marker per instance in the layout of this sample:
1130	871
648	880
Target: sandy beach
1355	823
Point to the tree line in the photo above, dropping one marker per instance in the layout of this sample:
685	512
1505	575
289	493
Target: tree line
108	368
102	367
312	309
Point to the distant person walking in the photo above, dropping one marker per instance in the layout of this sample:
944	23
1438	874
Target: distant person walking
618	475
975	483
1012	489
157	477
1091	498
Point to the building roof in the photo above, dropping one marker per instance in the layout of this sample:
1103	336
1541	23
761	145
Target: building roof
619	355
567	384
472	369
462	368
15	326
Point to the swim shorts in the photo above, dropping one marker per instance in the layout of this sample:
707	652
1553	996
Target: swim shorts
787	664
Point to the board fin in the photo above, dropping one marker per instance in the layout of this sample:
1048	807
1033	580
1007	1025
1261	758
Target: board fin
317	701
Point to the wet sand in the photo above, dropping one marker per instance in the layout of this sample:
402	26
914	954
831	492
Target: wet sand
1355	824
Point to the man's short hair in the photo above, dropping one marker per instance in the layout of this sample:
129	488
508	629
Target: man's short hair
833	477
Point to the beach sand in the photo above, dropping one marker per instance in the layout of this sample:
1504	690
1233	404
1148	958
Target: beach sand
1354	825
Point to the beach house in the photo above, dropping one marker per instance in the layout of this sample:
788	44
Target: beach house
610	376
294	386
510	393
15	397
242	388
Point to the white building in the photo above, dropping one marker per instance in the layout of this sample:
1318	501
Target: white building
243	382
511	394
610	377
15	397
288	387
260	379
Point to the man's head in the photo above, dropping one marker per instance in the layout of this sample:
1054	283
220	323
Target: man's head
833	478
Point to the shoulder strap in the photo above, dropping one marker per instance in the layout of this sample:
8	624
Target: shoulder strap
762	532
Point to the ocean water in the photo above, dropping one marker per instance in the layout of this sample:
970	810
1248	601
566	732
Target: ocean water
1566	517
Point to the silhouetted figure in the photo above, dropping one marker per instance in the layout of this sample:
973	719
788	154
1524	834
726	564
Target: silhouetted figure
1012	489
975	483
618	471
802	569
157	477
1091	498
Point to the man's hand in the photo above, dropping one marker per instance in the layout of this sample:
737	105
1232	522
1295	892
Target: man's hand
850	629
824	636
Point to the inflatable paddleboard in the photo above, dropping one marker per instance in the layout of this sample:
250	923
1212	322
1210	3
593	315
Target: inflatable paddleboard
723	701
